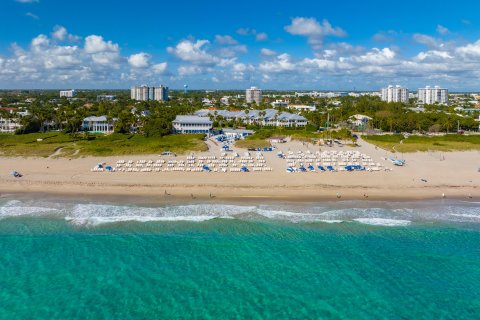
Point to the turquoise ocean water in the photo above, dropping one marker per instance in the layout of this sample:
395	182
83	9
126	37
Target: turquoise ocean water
81	259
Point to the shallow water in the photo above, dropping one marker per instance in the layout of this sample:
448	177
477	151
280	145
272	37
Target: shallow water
346	260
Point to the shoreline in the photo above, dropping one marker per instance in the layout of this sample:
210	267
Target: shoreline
214	192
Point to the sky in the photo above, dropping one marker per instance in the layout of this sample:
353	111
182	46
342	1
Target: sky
283	45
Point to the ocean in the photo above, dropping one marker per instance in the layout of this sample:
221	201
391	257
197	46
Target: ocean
97	259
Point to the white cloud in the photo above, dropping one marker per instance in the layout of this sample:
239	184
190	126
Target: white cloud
96	44
40	40
160	68
193	52
27	1
262	36
267	52
232	51
471	50
426	40
433	55
139	60
246	31
226	39
259	36
313	30
280	64
32	15
442	30
46	62
189	70
60	33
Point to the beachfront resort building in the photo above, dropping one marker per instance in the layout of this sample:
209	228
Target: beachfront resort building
395	94
98	124
192	124
266	118
253	95
146	93
429	95
68	93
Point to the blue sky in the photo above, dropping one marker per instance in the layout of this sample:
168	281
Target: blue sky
320	45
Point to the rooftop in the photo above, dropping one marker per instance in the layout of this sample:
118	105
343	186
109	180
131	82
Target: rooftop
193	119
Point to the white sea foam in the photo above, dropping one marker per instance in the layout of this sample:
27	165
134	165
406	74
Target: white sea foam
332	221
16	208
94	214
383	222
466	215
396	214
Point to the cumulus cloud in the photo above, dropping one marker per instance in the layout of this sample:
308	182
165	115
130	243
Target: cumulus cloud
232	51
385	36
281	64
226	39
425	40
259	36
471	50
189	70
95	44
262	36
57	58
139	60
194	52
160	68
313	30
60	33
267	52
246	31
48	62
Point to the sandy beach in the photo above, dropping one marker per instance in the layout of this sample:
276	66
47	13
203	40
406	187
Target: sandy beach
425	176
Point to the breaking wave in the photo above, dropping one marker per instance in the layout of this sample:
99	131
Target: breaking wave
374	214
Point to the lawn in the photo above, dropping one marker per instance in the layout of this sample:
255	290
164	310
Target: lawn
386	142
451	142
66	145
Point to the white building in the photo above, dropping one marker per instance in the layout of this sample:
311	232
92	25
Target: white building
225	100
192	124
429	95
279	103
267	117
301	107
395	94
146	93
160	93
68	93
106	97
359	120
9	124
98	125
253	95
